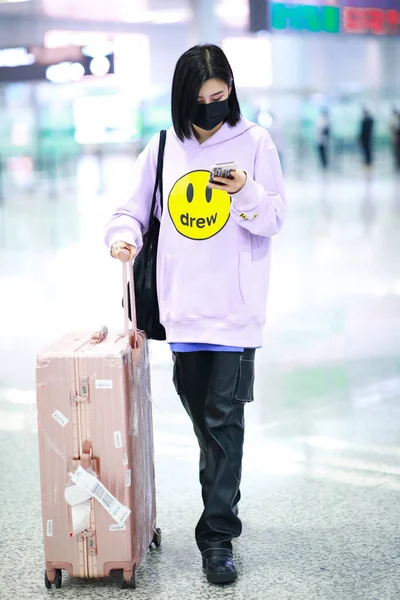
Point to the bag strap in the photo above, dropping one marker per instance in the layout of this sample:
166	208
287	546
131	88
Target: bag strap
158	183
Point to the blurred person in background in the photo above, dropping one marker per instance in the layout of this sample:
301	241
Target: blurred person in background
213	269
395	134
366	138
323	138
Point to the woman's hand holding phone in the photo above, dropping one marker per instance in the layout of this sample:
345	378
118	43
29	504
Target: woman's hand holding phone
232	185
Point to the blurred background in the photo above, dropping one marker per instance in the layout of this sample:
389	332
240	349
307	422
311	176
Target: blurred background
83	87
92	79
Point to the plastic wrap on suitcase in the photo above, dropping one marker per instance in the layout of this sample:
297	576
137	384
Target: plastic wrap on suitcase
141	386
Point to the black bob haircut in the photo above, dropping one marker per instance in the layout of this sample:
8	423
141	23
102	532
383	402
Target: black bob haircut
193	69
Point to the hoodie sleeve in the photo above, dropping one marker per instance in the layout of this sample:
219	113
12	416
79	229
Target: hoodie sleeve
131	220
260	206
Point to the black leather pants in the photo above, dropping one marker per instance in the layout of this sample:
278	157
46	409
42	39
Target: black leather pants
214	387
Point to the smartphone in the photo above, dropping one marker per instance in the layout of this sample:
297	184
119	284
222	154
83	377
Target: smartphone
222	170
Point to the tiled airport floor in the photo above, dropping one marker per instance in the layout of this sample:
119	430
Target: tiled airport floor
321	483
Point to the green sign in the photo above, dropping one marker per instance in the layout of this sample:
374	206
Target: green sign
305	17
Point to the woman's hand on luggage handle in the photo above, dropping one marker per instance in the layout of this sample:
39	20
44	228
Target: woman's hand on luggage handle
123	251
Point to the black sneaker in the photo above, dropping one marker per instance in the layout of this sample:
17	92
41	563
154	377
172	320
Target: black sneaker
219	566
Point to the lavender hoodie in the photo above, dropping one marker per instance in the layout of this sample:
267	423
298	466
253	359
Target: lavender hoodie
214	250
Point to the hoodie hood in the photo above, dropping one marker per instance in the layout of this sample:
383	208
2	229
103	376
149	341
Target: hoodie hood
225	133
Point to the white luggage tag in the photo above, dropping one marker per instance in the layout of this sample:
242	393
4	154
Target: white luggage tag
79	501
75	495
96	489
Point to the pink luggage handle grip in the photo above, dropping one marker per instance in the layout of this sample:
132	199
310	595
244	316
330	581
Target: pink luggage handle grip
100	335
86	454
128	264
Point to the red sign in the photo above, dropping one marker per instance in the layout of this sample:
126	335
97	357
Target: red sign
371	20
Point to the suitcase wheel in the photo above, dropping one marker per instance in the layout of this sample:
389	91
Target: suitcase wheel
57	579
129	579
46	581
157	538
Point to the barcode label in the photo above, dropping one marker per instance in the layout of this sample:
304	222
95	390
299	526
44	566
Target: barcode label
125	459
103	384
100	492
116	527
49	528
60	418
118	439
128	478
122	514
93	486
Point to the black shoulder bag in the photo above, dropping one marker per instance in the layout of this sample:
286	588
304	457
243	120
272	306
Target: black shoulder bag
145	264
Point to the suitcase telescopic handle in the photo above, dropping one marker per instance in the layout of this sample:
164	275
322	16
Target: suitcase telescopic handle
127	273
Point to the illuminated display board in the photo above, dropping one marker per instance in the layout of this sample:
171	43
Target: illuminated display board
378	17
59	65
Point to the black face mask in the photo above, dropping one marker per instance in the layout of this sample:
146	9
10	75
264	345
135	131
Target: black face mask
209	116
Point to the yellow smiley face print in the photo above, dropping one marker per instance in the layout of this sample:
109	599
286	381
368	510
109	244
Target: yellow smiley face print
197	211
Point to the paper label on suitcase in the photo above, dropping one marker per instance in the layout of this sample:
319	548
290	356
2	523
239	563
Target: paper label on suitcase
49	528
116	527
93	486
103	384
128	482
60	418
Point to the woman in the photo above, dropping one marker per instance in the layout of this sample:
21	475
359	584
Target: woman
366	138
395	132
212	273
323	135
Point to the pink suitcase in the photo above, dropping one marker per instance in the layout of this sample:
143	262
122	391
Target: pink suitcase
95	413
